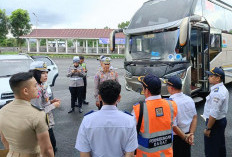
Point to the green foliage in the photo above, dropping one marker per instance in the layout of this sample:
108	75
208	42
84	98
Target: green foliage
230	31
106	27
123	25
11	42
19	21
3	24
70	43
8	53
114	56
43	42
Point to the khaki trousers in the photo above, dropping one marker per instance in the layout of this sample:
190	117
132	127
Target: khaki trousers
17	154
3	153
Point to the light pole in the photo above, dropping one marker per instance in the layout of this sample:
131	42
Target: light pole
37	43
36	23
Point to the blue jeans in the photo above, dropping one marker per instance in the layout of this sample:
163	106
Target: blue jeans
215	144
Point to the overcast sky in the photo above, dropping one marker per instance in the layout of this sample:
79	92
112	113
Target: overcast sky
75	13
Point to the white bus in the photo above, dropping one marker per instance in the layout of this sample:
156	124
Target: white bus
178	37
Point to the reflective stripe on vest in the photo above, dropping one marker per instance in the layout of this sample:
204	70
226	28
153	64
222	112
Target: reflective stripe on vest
153	142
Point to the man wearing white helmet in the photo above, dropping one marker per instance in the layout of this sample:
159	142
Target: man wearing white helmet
76	74
101	58
40	73
104	74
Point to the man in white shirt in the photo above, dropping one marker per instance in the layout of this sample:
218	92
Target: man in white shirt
186	119
107	132
215	110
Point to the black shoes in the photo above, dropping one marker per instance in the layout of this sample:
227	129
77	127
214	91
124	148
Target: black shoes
71	110
85	102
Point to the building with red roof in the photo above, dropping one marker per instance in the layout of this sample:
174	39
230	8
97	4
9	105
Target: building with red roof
52	36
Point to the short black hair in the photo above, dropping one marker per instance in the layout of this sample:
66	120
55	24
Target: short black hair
153	91
82	57
37	75
16	81
109	91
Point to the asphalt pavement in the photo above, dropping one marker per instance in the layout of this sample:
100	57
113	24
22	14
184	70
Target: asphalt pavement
67	125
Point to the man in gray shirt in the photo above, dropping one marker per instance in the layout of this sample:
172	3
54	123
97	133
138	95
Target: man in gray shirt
76	74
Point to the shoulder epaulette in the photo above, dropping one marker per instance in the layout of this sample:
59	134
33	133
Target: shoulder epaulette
216	89
38	108
89	112
128	113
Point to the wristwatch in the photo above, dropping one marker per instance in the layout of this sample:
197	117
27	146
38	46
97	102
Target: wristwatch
208	128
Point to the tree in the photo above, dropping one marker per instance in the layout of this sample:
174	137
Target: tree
230	31
43	42
8	42
123	25
3	25
20	24
106	27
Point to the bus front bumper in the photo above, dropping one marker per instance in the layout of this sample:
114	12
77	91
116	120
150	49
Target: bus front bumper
133	84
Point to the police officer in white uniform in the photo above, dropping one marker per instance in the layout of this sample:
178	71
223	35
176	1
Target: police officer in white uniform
215	111
107	132
76	83
186	120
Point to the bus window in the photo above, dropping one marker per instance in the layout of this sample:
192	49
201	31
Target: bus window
139	44
215	45
215	41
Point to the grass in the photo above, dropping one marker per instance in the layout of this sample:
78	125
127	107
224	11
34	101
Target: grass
67	55
8	53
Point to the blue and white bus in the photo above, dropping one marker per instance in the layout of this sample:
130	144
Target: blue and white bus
178	37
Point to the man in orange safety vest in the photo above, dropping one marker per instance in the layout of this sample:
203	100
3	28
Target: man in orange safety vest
154	119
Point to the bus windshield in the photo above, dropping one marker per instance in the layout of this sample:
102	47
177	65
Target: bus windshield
161	46
156	12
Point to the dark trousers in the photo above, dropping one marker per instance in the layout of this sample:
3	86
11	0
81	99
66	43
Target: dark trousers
53	139
76	93
84	89
215	144
180	147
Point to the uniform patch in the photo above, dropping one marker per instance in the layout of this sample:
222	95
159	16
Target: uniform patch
160	141
216	89
216	100
168	98
159	112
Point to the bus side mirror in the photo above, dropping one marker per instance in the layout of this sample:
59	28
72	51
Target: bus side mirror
184	26
112	38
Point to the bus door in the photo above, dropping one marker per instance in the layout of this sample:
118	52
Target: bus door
199	41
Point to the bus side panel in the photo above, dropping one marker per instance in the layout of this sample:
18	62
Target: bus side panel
224	58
